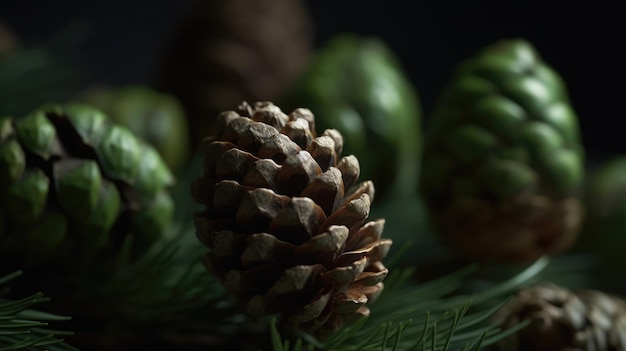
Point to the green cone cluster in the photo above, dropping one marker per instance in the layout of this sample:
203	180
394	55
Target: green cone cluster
73	181
358	86
503	163
156	117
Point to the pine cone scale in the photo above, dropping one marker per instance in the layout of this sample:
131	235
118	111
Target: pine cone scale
369	233
266	248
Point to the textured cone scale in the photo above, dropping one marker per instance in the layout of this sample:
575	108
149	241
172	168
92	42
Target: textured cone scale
560	319
155	117
503	163
285	220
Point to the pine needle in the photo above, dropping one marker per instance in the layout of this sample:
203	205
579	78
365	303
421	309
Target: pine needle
277	341
22	328
168	291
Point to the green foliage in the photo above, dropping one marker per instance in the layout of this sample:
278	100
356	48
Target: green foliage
22	328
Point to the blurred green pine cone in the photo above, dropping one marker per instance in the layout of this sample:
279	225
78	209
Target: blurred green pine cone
285	220
564	320
358	86
503	162
604	229
157	118
74	184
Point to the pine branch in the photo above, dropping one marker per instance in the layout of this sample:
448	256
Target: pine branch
170	275
431	316
168	293
22	328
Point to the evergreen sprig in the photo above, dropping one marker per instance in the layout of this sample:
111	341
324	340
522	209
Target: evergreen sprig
171	274
22	328
430	316
168	293
407	316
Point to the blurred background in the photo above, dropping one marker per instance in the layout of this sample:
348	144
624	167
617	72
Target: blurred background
123	39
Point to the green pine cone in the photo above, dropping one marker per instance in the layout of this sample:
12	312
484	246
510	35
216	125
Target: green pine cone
73	181
604	228
503	162
156	117
8	41
357	86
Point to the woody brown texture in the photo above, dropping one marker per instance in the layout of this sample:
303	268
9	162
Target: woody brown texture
286	221
227	51
560	319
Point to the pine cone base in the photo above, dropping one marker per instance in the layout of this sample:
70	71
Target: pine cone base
519	230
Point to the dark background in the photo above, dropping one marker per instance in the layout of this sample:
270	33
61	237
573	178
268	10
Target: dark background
582	41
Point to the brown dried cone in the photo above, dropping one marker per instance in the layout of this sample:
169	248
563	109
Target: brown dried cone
228	51
8	41
285	221
560	319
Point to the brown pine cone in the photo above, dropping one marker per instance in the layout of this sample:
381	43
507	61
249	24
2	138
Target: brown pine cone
228	51
8	41
285	220
560	319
